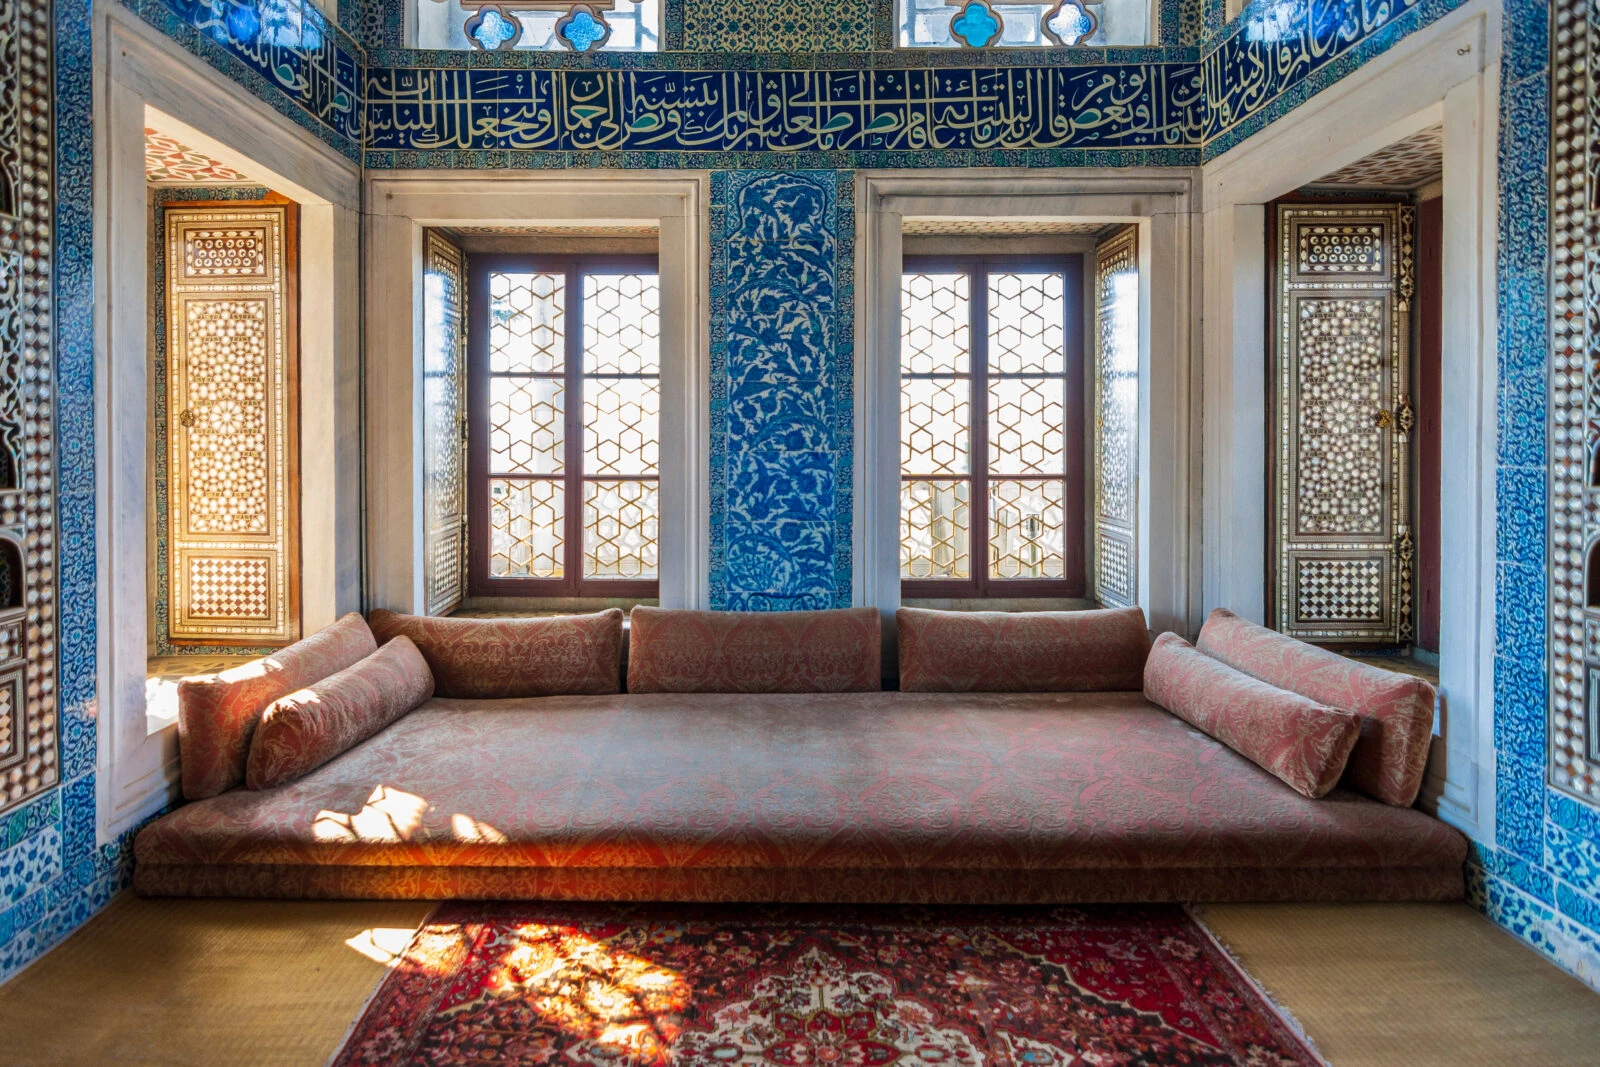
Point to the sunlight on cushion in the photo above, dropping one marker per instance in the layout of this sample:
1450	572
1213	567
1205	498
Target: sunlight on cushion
389	815
466	828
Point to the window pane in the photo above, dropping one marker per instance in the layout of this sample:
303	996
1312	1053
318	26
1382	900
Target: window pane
527	331
620	535
621	324
1027	426
1027	324
935	421
525	528
527	431
621	425
935	525
935	323
1027	530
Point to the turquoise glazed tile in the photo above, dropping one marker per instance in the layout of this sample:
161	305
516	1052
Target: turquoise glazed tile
1520	504
29	866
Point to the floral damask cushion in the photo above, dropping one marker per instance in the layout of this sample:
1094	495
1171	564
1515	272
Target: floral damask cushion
1302	742
1021	652
1391	756
754	651
217	713
302	731
485	659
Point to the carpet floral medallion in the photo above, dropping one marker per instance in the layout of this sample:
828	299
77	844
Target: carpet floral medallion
617	985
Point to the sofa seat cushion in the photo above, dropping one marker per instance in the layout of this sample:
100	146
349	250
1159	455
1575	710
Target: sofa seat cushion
880	782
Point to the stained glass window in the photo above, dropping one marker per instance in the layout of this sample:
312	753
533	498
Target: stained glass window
991	427
541	25
565	427
1021	23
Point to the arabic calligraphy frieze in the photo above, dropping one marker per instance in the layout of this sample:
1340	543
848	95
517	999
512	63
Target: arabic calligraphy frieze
1278	53
1117	107
288	51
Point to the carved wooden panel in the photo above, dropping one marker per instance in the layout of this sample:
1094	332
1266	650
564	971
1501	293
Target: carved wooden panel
1341	424
232	425
29	752
444	444
1116	417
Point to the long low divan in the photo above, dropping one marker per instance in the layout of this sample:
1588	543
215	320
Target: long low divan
828	796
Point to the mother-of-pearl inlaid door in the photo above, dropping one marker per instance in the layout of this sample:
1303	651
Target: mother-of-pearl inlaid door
232	425
1340	519
1116	418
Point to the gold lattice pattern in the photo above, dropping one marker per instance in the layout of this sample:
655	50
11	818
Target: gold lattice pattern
621	426
620	529
935	529
527	434
621	324
1027	323
935	323
1341	460
525	528
231	532
935	421
527	323
1027	529
1027	426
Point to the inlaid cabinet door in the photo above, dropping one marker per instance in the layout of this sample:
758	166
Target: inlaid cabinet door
444	483
1116	417
232	529
1341	423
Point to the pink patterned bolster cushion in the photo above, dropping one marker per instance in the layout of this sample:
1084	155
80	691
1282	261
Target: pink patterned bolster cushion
755	651
486	659
217	713
1022	651
302	731
1302	742
1396	710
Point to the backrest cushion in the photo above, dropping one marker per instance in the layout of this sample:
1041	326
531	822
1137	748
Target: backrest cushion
1396	710
1022	651
1302	742
754	651
302	731
484	659
217	713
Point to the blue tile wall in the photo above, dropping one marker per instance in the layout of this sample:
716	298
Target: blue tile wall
782	134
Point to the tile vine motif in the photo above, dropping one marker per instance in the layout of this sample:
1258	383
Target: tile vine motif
1114	106
782	302
1574	413
29	753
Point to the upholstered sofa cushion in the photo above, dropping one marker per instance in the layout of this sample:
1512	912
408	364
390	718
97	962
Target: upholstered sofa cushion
754	651
1302	742
1021	652
848	796
493	658
300	732
1391	755
217	713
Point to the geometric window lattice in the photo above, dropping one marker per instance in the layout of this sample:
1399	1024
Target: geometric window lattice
538	25
29	753
231	522
444	446
1574	623
569	441
1116	416
1342	550
987	393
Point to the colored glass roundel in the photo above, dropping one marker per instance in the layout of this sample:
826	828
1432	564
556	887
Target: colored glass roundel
977	26
583	29
1069	23
492	29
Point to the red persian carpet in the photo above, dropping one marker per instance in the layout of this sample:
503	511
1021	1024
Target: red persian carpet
791	986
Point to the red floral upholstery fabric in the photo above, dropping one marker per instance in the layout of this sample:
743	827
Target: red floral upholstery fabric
866	796
1391	756
217	713
485	659
754	651
307	728
1302	742
1022	652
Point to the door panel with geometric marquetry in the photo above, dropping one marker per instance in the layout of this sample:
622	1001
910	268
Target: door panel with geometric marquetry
1116	418
232	425
1340	521
444	484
